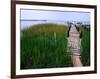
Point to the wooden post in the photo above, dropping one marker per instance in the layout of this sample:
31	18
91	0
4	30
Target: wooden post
55	36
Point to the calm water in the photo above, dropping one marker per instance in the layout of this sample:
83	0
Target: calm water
26	23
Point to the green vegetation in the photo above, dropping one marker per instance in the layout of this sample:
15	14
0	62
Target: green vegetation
85	52
44	46
85	45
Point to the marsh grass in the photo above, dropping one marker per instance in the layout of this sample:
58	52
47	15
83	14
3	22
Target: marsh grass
85	50
41	49
85	45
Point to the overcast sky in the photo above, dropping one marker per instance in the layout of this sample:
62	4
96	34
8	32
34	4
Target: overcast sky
54	15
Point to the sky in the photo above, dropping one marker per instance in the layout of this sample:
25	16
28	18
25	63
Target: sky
28	14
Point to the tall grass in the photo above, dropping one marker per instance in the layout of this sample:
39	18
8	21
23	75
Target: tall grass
85	47
40	48
85	44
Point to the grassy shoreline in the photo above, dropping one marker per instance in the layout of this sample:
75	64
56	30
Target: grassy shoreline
40	50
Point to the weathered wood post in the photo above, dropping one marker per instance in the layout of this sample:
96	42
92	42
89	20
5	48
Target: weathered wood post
55	36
